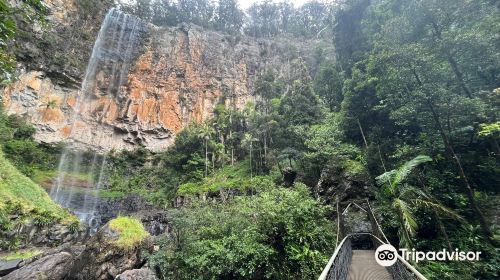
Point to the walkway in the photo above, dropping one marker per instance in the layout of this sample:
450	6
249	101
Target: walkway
364	267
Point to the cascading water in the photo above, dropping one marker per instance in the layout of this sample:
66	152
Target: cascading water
81	173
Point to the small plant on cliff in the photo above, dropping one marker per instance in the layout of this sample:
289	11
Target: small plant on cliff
131	232
74	226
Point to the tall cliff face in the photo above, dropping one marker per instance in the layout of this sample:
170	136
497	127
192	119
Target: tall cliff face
177	75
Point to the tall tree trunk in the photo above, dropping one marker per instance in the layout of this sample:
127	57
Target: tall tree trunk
469	191
206	157
442	230
251	167
381	159
223	142
231	137
459	76
265	149
362	133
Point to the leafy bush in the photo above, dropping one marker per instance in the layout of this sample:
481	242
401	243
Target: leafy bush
231	177
277	234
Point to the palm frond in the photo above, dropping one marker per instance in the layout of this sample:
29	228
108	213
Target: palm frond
405	170
385	178
384	181
439	208
409	192
408	220
404	239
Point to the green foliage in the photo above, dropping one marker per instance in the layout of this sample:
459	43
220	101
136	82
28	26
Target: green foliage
15	187
328	84
406	199
277	234
131	232
132	173
394	178
265	19
229	178
490	130
17	143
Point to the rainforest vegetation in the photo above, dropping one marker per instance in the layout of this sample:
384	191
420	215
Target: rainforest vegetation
410	104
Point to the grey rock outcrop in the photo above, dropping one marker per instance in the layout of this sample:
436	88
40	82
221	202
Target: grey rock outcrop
137	274
98	258
48	267
344	181
8	266
103	259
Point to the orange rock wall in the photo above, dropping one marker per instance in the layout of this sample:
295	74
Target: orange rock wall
180	75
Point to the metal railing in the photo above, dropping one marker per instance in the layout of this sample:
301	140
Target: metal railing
337	267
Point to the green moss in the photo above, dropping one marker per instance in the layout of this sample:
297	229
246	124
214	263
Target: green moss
21	254
131	231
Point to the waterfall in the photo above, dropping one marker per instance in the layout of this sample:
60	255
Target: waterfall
81	173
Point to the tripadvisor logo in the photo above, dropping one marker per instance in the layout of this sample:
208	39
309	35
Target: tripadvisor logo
387	255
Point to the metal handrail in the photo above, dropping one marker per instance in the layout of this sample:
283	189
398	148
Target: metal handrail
407	264
328	266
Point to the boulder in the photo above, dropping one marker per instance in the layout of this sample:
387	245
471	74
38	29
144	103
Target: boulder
347	179
52	266
137	274
8	266
103	259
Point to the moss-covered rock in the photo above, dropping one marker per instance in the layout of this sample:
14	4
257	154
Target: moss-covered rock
115	248
347	179
130	230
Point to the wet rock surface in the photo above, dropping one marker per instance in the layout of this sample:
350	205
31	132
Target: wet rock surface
8	266
97	258
30	234
53	264
103	259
